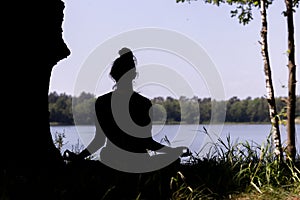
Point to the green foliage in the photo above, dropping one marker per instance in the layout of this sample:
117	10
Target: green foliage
84	111
243	8
233	168
296	3
60	108
64	108
169	110
59	140
189	110
182	191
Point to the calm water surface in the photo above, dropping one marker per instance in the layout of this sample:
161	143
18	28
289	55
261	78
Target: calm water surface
197	137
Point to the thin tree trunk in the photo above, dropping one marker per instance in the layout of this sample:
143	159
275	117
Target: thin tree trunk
291	103
269	85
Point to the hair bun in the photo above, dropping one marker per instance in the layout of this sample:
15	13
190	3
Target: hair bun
126	51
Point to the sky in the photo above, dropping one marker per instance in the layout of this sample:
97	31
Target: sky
230	48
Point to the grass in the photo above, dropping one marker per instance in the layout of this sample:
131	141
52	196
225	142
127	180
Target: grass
234	170
231	170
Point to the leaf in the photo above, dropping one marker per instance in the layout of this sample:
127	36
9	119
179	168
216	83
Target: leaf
255	3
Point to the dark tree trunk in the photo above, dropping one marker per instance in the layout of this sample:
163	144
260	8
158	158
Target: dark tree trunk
291	102
269	84
33	46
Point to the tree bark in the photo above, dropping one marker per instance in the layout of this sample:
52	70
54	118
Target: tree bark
291	102
30	162
269	85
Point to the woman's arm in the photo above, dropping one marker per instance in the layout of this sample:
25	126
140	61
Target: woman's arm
97	142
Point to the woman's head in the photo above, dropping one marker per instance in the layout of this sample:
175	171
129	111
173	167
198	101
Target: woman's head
125	63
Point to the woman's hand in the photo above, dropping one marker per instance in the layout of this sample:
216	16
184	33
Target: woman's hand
71	156
186	152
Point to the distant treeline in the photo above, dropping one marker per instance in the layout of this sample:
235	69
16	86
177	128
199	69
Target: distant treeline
65	109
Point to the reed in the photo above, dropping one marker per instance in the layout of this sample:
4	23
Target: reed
234	169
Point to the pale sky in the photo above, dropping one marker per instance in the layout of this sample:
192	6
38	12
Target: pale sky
232	47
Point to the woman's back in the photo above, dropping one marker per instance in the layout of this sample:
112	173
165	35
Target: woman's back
125	119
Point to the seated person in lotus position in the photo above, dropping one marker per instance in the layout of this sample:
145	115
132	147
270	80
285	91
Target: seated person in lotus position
124	121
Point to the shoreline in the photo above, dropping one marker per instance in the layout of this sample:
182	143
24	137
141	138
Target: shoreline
297	122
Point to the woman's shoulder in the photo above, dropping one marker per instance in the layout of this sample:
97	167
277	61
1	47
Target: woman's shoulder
141	98
139	95
104	97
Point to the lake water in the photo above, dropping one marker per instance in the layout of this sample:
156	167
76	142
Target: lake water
193	136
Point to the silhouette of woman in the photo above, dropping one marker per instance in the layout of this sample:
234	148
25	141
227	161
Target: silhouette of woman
123	117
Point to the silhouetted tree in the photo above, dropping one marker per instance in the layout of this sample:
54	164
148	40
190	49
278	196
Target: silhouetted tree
33	34
291	101
243	11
